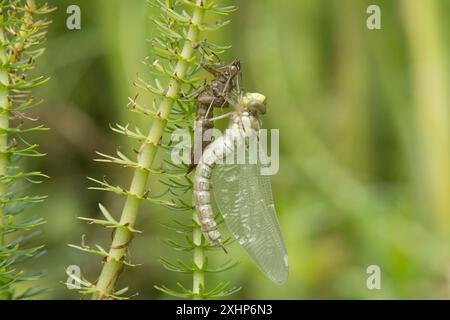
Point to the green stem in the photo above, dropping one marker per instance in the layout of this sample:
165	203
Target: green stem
199	260
4	110
4	122
431	103
114	263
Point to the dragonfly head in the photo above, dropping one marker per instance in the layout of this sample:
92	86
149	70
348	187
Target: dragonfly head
255	102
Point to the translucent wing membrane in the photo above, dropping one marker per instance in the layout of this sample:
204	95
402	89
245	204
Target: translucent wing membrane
244	198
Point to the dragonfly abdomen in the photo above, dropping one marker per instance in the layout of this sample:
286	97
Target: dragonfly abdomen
215	152
202	190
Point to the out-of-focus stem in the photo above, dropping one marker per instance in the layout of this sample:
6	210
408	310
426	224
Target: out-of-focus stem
349	120
432	104
114	263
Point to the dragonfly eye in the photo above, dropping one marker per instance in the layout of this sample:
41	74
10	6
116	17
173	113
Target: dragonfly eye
256	102
258	106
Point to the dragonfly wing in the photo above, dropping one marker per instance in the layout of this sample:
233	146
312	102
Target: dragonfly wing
244	198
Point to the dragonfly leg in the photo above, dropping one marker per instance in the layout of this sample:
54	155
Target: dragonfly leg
224	116
228	85
209	109
196	93
211	70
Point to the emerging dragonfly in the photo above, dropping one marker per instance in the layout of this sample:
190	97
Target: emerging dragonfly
213	95
242	194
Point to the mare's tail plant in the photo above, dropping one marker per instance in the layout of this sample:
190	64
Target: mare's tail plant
21	34
180	187
179	50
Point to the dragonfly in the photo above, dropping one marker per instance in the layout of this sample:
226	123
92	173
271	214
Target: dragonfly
242	195
212	95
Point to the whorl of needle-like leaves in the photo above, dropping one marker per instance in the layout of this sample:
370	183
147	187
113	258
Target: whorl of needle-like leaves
179	52
22	31
179	188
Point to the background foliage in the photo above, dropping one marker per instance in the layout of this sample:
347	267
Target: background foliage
364	176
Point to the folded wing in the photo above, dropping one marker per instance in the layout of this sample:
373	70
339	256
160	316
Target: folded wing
244	198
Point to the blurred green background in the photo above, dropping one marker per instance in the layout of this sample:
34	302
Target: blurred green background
365	143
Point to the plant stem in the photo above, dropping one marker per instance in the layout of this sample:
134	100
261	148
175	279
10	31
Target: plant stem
114	263
4	122
199	260
431	102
